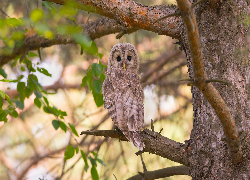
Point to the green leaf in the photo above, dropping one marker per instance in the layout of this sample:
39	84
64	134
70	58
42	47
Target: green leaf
97	86
2	94
77	149
13	22
96	69
3	115
85	160
93	49
22	68
100	55
8	80
8	99
47	5
69	153
84	81
41	28
46	109
90	80
37	102
14	114
98	99
38	94
63	126
2	72
46	100
73	129
92	161
1	104
21	90
63	113
17	35
36	15
94	173
19	104
32	54
102	77
44	71
56	124
98	160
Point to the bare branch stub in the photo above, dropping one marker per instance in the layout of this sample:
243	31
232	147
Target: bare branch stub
162	173
208	89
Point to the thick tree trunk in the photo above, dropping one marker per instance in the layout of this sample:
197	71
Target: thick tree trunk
225	46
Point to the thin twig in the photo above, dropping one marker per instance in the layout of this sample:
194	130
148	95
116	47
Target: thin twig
167	16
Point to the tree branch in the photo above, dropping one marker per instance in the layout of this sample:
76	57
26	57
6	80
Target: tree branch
154	142
169	71
165	58
162	173
94	29
208	89
132	14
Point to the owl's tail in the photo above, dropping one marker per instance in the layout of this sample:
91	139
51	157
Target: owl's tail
135	138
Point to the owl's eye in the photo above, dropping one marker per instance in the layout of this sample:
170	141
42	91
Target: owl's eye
118	58
129	58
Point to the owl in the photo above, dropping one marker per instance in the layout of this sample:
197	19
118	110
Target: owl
122	93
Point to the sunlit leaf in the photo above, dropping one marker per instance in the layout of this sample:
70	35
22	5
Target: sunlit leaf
84	81
37	102
36	15
98	99
56	124
100	55
94	173
32	54
90	80
102	77
13	22
2	94
69	152
8	99
96	69
3	115
92	161
38	94
97	86
44	71
21	90
19	104
2	72
63	126
14	114
85	161
46	100
47	5
73	129
17	35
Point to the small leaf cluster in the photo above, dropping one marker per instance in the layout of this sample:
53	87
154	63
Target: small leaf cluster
71	151
94	79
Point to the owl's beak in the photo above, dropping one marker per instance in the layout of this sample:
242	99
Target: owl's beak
123	64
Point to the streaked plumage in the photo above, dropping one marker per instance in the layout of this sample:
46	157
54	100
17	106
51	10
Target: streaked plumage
122	93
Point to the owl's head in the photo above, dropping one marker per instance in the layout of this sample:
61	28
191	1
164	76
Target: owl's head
123	56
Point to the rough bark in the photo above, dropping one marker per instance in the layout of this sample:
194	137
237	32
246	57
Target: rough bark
224	41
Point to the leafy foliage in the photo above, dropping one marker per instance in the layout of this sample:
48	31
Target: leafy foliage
94	79
13	32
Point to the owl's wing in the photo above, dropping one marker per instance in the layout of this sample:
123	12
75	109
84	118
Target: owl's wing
133	105
112	102
108	93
